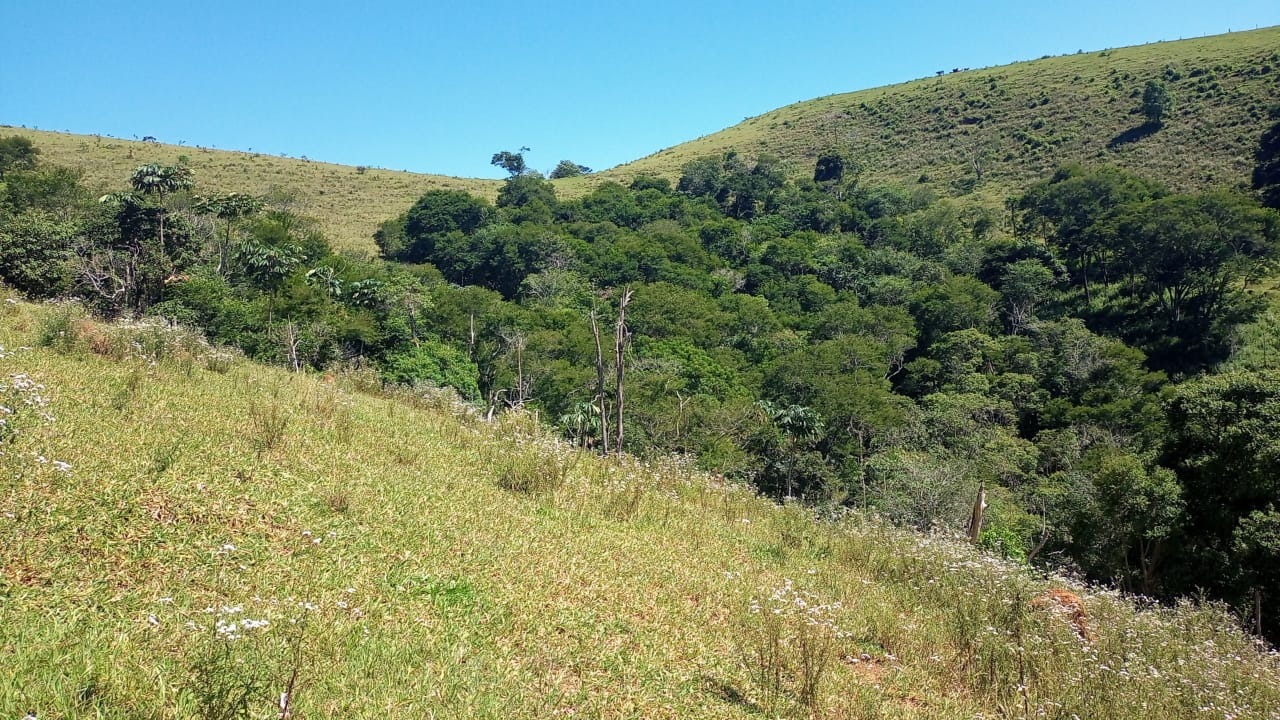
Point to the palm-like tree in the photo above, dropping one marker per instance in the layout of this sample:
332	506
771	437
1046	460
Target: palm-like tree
799	426
160	180
230	208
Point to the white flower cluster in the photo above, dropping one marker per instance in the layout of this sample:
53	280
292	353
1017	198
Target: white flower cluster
229	626
789	601
20	398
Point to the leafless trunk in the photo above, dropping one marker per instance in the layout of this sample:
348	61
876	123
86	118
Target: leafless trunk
1044	538
517	341
600	388
289	334
620	337
975	520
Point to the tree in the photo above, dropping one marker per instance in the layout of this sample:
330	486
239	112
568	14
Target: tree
799	427
1224	442
829	168
1025	284
1140	508
1157	102
1189	252
957	303
436	215
1256	544
512	162
569	168
160	180
35	249
125	266
529	197
17	153
228	208
1266	174
1067	208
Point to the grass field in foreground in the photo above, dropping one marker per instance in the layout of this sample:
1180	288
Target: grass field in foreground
190	535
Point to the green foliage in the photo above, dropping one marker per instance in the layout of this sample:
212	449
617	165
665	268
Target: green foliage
1157	101
36	252
845	344
568	168
1224	442
434	363
17	153
512	162
156	179
1266	173
437	215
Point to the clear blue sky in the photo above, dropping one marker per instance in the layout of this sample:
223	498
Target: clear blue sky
439	87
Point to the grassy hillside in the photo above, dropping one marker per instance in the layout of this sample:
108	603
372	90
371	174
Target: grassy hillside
1019	121
187	534
349	202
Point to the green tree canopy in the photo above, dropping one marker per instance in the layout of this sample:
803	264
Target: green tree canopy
17	153
1157	101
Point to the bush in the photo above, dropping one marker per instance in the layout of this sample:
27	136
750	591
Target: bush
434	362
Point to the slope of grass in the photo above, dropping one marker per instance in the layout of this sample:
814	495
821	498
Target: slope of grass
1020	121
409	559
349	202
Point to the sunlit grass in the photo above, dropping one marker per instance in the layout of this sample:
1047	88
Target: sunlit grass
349	202
397	577
1020	121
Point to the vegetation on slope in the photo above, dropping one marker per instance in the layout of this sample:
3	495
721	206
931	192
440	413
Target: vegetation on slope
848	344
183	533
990	130
347	202
996	129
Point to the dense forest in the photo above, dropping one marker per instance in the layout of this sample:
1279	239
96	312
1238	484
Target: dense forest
1087	377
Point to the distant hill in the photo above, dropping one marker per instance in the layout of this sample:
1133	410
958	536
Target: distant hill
1013	123
348	201
1017	122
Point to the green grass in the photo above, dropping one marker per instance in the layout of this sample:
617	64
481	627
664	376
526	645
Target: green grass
399	577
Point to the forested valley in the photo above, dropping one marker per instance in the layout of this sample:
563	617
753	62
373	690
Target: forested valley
1092	368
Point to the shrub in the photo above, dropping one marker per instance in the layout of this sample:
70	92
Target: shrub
788	638
437	363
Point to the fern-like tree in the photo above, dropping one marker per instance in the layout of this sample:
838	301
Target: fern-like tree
230	209
160	180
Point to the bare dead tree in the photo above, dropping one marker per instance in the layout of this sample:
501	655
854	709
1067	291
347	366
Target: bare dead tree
979	508
620	337
600	387
291	339
517	341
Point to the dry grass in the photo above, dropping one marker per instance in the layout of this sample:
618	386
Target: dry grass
348	202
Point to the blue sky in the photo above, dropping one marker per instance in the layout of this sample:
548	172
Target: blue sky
439	87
